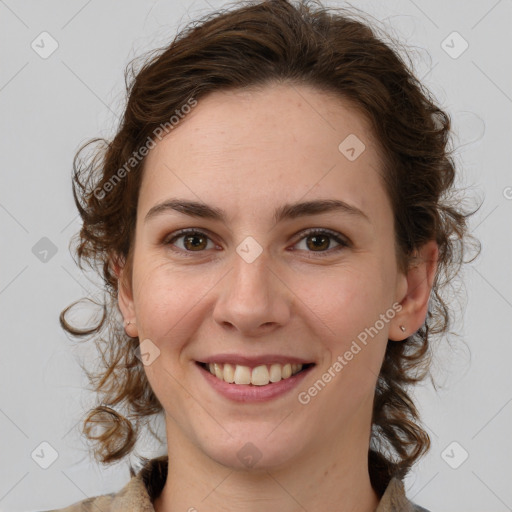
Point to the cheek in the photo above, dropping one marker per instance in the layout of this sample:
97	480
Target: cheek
172	303
344	301
352	314
163	299
336	303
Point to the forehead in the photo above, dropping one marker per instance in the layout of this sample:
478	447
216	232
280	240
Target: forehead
252	149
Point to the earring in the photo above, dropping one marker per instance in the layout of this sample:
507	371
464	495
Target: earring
403	328
126	324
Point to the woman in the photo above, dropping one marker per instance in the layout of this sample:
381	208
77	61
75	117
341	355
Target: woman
272	224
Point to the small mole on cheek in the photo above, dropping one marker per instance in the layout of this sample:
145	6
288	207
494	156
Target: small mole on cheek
327	470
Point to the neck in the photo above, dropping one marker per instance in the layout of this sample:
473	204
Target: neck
328	477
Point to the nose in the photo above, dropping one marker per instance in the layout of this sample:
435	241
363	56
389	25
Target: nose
253	299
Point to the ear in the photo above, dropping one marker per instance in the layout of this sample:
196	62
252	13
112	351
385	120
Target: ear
122	269
413	292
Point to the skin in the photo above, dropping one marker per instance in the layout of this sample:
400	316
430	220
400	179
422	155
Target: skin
249	152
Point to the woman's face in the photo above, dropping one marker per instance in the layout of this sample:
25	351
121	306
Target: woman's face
252	288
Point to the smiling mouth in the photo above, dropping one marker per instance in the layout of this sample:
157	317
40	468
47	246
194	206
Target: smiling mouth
258	376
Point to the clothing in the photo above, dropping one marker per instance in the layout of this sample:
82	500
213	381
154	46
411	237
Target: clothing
137	495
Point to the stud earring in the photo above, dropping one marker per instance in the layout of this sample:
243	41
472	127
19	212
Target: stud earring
403	328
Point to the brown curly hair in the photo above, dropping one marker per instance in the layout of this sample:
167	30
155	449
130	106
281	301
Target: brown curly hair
254	45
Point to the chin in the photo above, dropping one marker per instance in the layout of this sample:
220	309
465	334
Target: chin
254	451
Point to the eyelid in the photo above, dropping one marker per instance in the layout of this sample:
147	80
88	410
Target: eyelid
342	241
339	238
183	232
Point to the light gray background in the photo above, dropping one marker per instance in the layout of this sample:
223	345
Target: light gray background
50	106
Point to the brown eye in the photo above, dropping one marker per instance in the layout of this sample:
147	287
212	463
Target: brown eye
191	241
320	241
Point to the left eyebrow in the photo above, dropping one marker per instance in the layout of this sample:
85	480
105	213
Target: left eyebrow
286	211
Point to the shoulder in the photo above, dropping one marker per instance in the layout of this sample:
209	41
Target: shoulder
136	496
395	500
103	503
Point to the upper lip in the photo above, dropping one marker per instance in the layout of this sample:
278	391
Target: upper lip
252	361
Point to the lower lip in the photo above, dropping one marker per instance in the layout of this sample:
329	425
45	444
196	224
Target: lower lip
251	393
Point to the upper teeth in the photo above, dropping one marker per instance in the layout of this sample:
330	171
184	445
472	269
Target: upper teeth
259	376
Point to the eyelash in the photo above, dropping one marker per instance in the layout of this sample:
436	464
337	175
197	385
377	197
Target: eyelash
343	243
